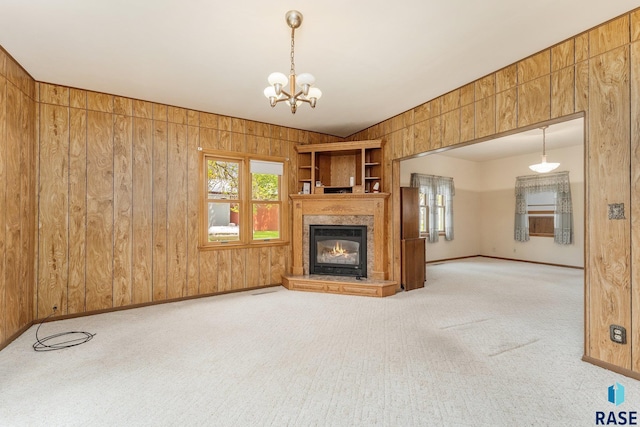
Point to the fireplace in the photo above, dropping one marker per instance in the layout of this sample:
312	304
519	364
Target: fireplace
339	250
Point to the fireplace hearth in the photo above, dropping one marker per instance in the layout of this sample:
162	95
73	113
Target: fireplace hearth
339	250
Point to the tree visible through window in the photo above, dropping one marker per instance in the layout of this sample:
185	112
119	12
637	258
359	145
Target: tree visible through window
223	200
243	202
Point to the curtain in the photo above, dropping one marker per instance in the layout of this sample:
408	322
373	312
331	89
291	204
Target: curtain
563	212
431	186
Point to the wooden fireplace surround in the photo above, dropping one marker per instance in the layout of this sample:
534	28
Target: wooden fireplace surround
351	204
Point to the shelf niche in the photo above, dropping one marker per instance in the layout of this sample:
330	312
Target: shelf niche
328	168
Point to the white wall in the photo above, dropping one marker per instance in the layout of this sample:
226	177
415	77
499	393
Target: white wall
466	203
484	207
497	209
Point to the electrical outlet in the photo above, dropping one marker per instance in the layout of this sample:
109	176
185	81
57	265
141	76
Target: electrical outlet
618	334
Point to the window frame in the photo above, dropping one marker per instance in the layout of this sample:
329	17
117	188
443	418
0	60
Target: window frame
245	201
424	213
536	211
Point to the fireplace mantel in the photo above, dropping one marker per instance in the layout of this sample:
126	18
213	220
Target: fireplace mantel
351	204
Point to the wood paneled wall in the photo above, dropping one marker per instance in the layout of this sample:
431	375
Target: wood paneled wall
17	197
118	213
596	73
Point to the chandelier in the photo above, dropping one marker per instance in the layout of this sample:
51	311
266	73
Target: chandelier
303	92
543	166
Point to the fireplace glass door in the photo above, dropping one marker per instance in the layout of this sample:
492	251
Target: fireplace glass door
338	249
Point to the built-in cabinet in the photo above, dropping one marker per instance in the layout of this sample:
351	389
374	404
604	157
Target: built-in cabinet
346	167
413	272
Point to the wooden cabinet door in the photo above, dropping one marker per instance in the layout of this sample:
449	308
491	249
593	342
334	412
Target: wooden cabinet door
413	264
409	213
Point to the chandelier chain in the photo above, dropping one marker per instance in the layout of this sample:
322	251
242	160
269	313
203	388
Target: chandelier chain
293	65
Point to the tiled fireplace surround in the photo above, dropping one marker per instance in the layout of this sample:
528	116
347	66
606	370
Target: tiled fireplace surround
341	209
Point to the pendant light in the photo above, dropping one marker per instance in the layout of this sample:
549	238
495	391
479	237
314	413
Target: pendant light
544	166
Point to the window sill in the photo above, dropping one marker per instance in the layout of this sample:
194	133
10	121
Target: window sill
242	245
440	233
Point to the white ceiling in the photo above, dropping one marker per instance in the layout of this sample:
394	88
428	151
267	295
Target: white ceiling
372	59
559	135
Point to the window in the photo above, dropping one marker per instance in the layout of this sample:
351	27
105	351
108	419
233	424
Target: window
424	213
242	201
435	204
540	213
543	206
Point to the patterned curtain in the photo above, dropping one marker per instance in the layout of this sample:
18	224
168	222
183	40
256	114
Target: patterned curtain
563	213
432	185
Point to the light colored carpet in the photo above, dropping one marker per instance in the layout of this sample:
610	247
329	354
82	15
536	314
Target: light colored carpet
485	343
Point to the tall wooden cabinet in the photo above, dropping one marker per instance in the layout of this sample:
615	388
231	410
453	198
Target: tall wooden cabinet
413	246
344	167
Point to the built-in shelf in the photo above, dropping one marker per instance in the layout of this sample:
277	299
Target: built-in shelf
353	164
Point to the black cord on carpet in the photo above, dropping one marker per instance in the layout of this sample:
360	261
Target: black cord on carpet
41	344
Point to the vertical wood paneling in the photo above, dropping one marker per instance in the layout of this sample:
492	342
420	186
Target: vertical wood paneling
609	240
4	331
224	271
485	87
18	188
99	282
506	108
436	133
252	272
13	252
193	140
160	171
77	212
422	136
123	106
238	268
53	94
562	92
52	216
485	117
265	266
177	231
534	67
27	208
635	25
278	263
534	103
582	86
582	47
506	78
562	55
142	210
142	109
77	98
123	207
451	101
420	113
451	128
467	122
635	207
609	36
208	264
97	101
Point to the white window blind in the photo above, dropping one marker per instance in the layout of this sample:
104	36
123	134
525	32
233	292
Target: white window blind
262	166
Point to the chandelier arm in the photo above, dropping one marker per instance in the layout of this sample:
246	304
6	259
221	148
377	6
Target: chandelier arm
286	94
